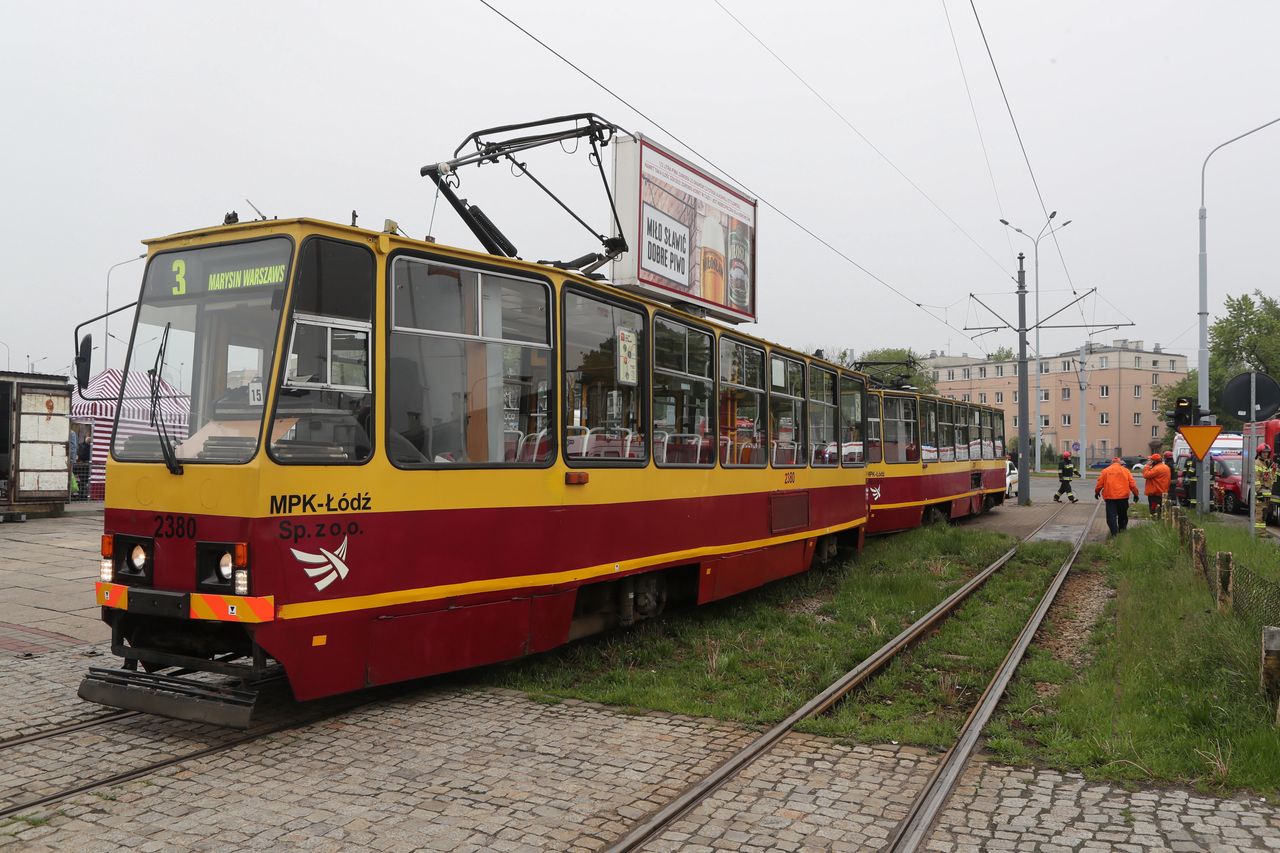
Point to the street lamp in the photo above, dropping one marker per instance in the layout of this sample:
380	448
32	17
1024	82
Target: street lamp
1035	243
106	363
1202	489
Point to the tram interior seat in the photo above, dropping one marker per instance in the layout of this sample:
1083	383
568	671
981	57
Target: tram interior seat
783	451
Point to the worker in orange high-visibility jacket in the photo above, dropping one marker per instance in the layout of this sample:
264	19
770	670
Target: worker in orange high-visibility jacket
1115	484
1155	475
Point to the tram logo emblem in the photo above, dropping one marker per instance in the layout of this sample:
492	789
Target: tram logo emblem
329	566
875	496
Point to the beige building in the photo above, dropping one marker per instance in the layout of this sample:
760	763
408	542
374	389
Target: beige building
1121	408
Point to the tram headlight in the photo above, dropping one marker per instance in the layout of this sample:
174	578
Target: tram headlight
224	566
106	571
138	557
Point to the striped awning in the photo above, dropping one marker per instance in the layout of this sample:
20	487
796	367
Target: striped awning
103	397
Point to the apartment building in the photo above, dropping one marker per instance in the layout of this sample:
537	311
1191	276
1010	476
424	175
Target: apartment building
1121	381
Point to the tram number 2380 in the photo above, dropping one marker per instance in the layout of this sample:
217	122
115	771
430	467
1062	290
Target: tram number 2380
174	527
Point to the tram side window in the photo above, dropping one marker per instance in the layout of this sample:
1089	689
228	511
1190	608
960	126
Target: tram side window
875	449
604	368
975	434
683	429
469	367
324	407
742	427
962	433
998	422
900	430
988	437
946	432
928	430
823	450
786	412
851	437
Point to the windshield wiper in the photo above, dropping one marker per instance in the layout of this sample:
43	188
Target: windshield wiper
157	420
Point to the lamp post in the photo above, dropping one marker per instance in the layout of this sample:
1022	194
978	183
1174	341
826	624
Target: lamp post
106	363
1035	244
1202	390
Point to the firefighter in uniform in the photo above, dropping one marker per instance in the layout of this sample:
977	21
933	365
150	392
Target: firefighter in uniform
1264	475
1189	481
1066	472
1155	476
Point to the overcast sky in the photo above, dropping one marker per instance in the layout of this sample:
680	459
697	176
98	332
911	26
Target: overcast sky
124	121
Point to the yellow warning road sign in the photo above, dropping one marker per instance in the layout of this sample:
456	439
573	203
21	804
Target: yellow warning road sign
1199	438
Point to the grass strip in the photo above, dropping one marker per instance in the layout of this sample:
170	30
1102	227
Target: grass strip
754	658
1171	694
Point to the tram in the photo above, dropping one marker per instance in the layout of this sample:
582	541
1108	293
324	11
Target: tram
404	458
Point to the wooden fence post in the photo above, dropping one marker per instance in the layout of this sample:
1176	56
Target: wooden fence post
1271	666
1182	530
1225	585
1199	552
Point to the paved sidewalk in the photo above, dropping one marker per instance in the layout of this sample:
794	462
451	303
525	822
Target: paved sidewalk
47	570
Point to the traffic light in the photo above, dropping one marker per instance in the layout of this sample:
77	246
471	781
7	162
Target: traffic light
1184	412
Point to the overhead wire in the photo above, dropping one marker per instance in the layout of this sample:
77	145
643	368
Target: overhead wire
845	257
885	157
1053	232
977	124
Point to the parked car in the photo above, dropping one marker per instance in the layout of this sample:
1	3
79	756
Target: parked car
1228	485
1010	480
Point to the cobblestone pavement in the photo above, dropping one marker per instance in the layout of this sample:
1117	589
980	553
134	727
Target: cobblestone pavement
47	570
443	767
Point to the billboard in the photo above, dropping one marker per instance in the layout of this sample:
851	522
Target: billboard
690	237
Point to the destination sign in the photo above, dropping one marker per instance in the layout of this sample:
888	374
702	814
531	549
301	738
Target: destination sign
219	269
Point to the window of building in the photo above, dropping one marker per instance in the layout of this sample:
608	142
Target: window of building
964	373
1137	392
1155	379
1102	446
1137	418
1044	421
999	396
1155	432
605	373
1104	390
1066	420
324	410
1137	361
683	426
1104	418
982	373
1015	421
1015	396
1044	366
935	376
1155	364
982	397
823	450
1102	361
1066	392
951	375
964	397
1173	365
875	448
742	421
1066	365
786	411
469	367
851	397
1155	404
1044	395
1015	369
999	370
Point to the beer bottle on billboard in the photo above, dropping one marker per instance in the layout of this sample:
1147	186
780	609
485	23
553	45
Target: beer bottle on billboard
739	265
713	262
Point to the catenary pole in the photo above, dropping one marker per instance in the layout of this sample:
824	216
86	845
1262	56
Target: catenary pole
1024	433
1084	423
1202	383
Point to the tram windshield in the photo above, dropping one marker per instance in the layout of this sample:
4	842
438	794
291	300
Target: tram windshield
202	351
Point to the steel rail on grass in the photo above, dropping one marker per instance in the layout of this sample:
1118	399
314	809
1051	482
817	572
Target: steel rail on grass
837	690
915	828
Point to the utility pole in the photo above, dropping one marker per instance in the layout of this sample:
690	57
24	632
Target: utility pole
1083	380
1024	433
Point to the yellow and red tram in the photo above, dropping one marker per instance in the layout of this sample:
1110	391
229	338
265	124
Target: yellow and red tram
404	458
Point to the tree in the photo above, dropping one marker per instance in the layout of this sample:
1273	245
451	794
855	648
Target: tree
1248	336
893	366
1002	354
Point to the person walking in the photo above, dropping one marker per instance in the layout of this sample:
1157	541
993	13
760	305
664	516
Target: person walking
1264	475
1115	484
1066	472
1155	475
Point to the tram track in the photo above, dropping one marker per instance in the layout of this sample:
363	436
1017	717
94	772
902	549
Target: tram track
651	827
66	728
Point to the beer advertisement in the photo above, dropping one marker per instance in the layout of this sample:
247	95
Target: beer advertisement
690	237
